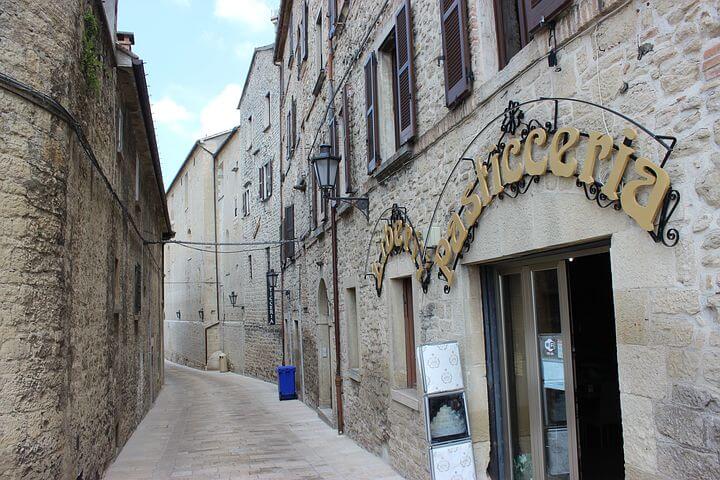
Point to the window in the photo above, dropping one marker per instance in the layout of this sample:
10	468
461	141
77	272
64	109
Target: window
289	233
304	32
138	283
249	133
266	112
120	129
265	181
291	43
346	158
235	206
389	91
319	61
408	332
456	51
510	29
290	129
250	266
246	202
351	316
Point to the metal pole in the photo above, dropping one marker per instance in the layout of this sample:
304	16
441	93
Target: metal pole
336	312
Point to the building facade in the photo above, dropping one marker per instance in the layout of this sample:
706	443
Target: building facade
224	203
543	189
82	216
192	326
249	213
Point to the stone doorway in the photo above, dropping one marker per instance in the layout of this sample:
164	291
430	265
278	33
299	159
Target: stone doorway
324	358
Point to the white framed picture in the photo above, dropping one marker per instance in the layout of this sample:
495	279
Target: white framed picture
453	461
446	417
440	367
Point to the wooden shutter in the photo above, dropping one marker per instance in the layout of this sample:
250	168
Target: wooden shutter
346	139
332	130
373	146
313	200
404	74
305	31
138	282
270	179
294	124
290	231
456	50
538	10
288	134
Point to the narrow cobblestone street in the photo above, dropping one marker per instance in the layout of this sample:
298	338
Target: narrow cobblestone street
208	425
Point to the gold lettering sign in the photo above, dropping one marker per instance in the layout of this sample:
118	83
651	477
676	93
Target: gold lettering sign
398	236
517	160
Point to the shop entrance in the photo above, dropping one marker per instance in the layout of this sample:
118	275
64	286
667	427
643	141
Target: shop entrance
556	395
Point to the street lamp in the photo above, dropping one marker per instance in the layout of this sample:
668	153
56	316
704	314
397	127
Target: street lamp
272	277
233	298
325	165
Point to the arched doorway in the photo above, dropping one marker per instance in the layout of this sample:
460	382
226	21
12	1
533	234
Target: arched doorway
323	342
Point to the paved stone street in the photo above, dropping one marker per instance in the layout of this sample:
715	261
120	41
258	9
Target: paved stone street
208	425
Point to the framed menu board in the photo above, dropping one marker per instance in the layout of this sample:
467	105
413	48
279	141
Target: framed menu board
453	461
440	365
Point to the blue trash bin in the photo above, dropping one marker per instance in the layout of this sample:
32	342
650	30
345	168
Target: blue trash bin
286	382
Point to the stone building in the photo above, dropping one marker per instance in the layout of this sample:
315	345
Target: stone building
82	213
568	242
248	213
236	170
192	327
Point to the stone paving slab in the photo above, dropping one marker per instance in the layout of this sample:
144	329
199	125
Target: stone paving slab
222	426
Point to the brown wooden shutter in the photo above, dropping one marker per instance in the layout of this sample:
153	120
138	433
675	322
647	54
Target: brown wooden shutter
304	46
456	50
346	140
373	145
404	73
537	11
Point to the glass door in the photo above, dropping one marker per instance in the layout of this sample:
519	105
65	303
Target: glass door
538	373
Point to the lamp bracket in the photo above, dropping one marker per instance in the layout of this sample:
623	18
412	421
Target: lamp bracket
360	203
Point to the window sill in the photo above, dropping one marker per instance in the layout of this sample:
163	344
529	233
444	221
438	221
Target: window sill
354	374
407	397
319	82
394	163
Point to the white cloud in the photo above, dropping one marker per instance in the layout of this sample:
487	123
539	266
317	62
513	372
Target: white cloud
253	14
168	111
221	112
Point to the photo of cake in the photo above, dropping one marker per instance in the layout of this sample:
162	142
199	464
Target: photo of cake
447	417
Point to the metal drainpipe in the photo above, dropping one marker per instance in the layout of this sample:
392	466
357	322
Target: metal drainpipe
333	228
217	268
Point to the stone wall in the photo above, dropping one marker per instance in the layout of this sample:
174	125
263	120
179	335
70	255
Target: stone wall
665	298
79	367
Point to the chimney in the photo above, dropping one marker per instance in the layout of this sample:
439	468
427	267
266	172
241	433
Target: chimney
126	40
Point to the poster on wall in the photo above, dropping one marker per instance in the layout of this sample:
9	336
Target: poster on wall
440	365
453	462
446	416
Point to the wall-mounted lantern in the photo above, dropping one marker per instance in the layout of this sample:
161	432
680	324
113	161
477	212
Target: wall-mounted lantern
177	314
326	167
201	312
233	298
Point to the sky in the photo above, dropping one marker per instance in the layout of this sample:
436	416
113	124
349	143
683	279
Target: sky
197	53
